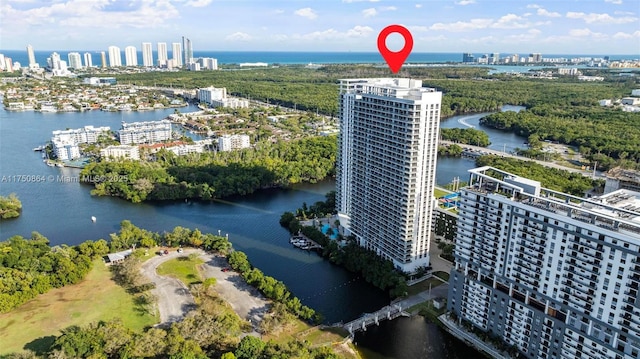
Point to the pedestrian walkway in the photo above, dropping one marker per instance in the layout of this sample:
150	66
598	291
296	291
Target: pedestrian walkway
471	339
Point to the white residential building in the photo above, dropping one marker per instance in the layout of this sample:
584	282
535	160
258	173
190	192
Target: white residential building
217	97
145	132
32	56
187	47
162	54
147	54
88	60
176	54
122	151
115	57
57	66
208	63
387	150
555	275
86	134
233	142
65	148
75	61
182	150
130	56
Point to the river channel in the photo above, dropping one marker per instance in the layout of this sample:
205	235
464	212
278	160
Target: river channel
62	212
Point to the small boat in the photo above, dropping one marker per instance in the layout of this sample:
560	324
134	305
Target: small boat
50	164
39	148
59	165
93	219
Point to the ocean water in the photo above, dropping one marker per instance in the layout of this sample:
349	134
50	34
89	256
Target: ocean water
287	58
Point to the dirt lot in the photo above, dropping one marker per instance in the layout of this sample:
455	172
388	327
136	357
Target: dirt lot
175	301
243	298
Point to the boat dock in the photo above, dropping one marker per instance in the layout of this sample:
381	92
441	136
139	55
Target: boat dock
301	241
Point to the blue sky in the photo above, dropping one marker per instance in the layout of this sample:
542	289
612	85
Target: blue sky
505	26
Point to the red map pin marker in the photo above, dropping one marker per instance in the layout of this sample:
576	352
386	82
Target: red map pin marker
395	59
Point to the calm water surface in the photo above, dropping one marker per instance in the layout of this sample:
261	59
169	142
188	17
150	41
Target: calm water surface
62	211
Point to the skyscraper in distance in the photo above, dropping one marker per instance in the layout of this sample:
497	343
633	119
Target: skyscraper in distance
115	57
103	59
147	54
130	56
388	145
75	60
176	54
188	50
88	61
32	56
162	54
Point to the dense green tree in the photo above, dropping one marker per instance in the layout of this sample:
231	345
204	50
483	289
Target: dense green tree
249	348
10	206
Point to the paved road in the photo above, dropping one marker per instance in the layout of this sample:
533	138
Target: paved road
500	153
174	298
437	263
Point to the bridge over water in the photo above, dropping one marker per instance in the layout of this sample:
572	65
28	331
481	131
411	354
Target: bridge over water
387	313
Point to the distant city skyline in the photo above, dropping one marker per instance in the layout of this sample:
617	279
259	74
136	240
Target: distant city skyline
477	26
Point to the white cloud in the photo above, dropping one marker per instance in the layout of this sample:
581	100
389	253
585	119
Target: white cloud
277	12
332	34
617	2
510	21
547	13
359	31
238	36
371	12
533	6
460	26
465	2
198	3
604	18
586	33
418	6
94	14
624	35
307	12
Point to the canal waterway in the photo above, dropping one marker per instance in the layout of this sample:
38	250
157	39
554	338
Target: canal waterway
62	212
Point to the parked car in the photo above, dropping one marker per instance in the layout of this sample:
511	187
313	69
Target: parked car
180	250
166	251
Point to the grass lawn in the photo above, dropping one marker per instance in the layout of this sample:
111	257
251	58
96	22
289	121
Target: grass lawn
182	268
424	285
439	192
35	323
316	336
442	275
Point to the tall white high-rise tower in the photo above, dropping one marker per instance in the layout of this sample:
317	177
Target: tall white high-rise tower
188	50
75	60
386	167
32	56
115	58
131	56
147	54
162	54
88	61
176	54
